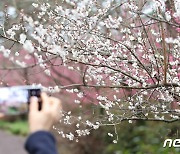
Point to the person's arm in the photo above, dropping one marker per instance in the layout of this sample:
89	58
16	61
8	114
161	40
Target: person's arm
41	141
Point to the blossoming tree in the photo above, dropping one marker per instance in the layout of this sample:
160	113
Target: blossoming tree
120	56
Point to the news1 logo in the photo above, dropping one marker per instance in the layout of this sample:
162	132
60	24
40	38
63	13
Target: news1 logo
175	143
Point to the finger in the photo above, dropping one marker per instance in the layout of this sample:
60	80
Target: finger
1	116
55	103
33	104
56	107
45	101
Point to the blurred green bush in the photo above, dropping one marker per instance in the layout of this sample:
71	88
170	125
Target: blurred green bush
18	127
142	137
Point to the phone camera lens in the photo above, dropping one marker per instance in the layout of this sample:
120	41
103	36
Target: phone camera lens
33	93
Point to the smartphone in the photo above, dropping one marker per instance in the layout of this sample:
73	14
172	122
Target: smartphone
15	100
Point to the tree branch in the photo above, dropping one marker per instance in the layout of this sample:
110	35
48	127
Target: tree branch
123	87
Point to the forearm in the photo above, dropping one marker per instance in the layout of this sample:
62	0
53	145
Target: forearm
41	142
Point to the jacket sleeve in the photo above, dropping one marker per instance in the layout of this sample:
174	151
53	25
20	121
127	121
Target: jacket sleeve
41	142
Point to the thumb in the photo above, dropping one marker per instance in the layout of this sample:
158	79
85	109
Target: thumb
33	104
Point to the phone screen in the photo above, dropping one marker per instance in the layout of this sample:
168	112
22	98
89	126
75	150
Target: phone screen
14	100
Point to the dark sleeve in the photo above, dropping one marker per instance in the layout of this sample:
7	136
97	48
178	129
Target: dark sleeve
41	142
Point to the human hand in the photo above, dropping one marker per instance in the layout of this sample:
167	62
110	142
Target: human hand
1	116
47	116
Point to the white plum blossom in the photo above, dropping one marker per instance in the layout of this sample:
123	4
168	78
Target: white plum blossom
115	141
47	71
35	5
28	46
177	7
168	16
70	136
110	134
11	33
22	38
6	52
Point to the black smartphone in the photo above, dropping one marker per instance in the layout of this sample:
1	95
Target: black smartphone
15	100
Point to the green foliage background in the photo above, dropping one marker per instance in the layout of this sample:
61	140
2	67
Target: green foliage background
144	137
19	127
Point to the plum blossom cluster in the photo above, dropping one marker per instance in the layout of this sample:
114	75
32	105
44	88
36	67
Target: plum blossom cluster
122	57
